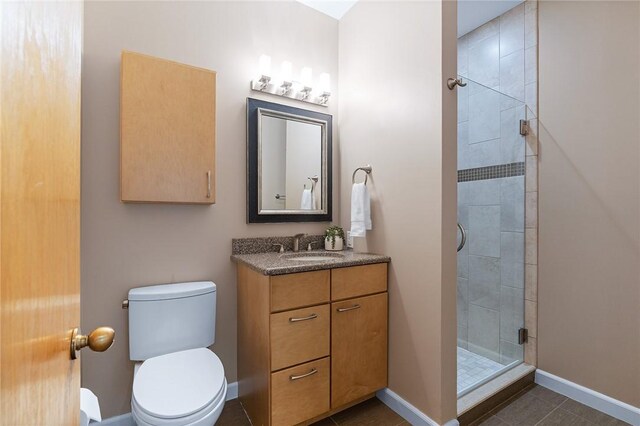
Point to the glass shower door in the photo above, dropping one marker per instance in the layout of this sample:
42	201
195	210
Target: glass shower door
491	197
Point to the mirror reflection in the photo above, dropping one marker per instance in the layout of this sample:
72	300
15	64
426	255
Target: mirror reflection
291	163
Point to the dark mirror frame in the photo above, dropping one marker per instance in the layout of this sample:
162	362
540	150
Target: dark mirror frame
253	216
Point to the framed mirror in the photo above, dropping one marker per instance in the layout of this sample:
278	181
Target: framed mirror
288	164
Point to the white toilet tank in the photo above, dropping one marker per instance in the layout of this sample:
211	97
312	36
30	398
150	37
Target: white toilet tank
170	318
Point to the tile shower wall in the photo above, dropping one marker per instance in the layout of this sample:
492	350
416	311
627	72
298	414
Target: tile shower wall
501	57
491	267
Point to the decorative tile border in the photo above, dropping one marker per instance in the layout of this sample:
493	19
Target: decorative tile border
492	172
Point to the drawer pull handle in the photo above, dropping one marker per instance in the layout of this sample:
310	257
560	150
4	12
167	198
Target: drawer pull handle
351	308
310	317
208	183
302	376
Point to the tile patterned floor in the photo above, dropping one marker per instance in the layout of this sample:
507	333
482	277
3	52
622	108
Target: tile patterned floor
371	412
534	406
472	368
538	406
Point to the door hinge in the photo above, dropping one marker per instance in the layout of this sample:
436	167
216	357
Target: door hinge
523	336
524	127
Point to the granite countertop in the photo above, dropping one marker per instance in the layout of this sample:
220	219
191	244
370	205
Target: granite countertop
274	263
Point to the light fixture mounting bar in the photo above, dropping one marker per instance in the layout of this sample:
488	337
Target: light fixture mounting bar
285	90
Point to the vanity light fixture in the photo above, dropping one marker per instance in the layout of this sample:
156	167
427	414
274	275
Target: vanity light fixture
287	78
285	86
325	88
306	78
265	71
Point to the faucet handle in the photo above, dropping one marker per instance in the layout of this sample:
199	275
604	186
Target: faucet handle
281	250
309	246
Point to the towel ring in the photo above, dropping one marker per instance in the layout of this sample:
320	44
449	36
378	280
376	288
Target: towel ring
367	169
314	181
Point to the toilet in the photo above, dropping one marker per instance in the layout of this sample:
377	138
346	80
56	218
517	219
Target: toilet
177	380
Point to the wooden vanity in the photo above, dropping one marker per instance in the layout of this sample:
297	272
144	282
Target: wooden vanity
310	344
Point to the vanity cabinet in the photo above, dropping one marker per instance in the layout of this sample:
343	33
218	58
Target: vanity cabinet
167	131
310	344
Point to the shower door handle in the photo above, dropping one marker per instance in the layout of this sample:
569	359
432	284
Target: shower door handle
453	82
463	240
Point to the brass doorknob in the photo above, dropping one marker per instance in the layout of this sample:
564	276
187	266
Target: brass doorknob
98	340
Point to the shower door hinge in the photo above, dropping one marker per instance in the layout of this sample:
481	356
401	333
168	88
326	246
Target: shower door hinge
524	127
523	336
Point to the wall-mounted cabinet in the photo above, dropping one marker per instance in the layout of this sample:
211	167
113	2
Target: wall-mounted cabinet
167	131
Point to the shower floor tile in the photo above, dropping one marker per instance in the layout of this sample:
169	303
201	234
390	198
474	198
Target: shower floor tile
473	368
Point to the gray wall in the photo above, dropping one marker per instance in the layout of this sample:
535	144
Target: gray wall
499	57
130	245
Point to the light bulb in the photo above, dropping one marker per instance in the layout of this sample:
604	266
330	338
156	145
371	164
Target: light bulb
265	65
325	82
286	71
306	77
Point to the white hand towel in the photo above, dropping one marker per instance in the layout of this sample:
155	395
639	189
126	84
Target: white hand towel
360	210
307	200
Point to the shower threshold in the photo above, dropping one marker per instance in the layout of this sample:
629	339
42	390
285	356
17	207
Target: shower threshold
475	370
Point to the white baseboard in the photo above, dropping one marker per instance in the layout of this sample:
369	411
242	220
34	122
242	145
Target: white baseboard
121	420
127	420
618	409
232	391
408	411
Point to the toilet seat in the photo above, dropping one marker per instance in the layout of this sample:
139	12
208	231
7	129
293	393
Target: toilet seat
205	417
180	388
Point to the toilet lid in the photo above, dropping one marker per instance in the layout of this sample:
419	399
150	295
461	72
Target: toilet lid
178	384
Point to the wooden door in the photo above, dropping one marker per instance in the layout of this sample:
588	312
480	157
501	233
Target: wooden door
40	47
167	131
358	348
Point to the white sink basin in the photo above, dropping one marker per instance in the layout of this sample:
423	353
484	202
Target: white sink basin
312	257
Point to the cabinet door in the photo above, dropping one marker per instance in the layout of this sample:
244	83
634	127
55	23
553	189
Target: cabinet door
358	348
167	131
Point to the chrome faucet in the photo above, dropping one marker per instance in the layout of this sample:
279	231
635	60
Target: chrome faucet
296	242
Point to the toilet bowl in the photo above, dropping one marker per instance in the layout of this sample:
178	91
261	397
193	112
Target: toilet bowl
185	388
177	381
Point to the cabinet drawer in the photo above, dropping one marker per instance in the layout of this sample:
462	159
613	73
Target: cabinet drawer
299	336
300	393
357	281
298	290
359	348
